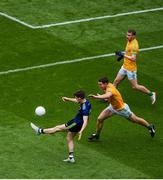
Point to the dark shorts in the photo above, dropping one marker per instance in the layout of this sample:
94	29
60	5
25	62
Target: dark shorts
74	125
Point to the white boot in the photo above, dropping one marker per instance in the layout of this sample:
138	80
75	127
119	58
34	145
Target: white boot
35	128
153	98
69	160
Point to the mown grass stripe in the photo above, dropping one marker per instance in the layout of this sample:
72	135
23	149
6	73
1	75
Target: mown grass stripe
70	61
98	18
79	20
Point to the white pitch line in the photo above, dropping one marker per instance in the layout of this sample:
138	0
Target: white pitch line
98	18
17	20
79	20
70	61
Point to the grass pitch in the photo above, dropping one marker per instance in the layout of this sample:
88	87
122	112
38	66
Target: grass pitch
125	150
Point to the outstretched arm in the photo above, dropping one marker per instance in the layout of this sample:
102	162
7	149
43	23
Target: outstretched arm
69	99
103	96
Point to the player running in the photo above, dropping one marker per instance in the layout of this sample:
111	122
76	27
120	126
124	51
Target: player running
117	106
74	126
129	67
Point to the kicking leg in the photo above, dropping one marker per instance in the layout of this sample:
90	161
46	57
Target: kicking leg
55	129
48	130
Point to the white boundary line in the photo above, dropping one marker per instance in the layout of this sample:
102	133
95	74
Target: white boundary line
79	20
98	18
69	61
17	20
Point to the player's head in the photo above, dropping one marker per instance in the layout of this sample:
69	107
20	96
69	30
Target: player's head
131	33
79	95
103	82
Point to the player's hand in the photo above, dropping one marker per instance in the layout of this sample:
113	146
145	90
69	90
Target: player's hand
79	135
97	94
64	99
120	54
91	96
104	100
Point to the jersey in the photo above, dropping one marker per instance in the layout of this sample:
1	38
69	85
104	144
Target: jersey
84	110
132	47
116	99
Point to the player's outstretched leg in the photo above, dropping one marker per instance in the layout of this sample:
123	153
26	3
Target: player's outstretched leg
143	122
36	128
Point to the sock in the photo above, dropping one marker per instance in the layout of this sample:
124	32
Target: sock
149	127
41	131
150	93
71	155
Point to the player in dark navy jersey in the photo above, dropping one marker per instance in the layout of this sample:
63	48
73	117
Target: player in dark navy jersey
74	126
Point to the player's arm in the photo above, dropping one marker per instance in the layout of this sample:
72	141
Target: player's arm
133	57
85	119
107	95
134	52
122	55
69	99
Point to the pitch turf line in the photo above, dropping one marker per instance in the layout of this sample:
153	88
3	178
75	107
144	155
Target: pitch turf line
17	20
98	18
70	61
79	20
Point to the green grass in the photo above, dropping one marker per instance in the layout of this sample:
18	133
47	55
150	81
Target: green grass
38	12
125	149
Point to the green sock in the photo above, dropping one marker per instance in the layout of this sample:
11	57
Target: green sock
150	93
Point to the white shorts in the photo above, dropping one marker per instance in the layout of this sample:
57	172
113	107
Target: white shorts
125	112
130	74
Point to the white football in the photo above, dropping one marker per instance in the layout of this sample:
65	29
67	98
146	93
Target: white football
40	111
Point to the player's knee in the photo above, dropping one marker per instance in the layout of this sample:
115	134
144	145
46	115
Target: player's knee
134	119
68	139
57	128
100	120
116	82
135	87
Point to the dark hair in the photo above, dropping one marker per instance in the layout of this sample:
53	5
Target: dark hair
80	94
104	80
132	31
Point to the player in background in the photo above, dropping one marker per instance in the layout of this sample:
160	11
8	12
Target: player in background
117	106
72	127
129	67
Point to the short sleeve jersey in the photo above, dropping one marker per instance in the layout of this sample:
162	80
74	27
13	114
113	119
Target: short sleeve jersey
84	110
116	99
131	48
